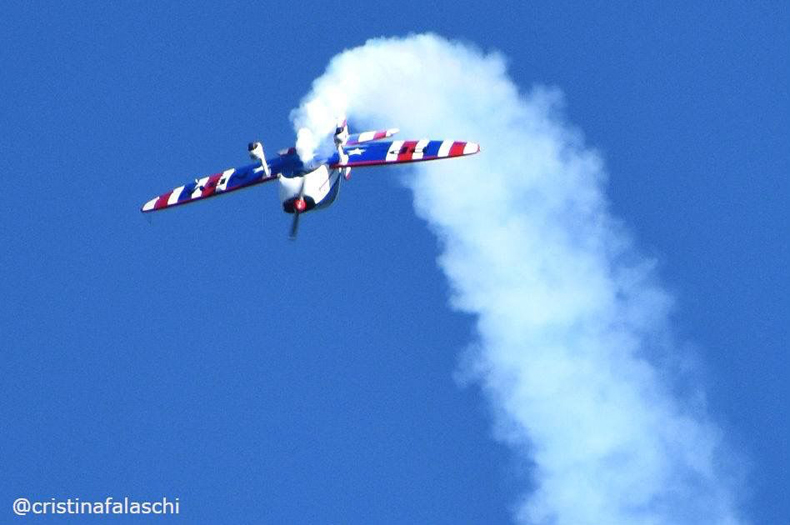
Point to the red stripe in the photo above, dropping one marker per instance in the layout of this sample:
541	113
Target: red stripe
457	149
162	201
407	150
211	185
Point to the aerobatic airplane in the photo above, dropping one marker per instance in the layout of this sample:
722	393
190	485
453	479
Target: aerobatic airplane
313	185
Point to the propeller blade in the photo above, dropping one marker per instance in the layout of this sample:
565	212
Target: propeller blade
297	212
295	226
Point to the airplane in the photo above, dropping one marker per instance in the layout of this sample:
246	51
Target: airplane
313	185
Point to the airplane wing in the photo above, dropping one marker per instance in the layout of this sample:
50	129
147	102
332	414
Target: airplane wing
367	136
205	187
402	151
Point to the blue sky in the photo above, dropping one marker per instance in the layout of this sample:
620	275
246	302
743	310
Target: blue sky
202	356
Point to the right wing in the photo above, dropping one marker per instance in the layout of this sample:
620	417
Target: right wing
403	151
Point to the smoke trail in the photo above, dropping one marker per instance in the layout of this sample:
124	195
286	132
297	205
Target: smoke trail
571	322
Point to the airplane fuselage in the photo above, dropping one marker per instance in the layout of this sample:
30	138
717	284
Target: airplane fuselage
318	189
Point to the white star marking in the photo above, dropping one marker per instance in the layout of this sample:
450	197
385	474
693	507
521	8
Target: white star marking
355	151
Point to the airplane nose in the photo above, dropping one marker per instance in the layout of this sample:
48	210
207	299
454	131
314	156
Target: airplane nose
300	205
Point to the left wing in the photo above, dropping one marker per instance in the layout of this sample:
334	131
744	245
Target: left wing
402	151
209	186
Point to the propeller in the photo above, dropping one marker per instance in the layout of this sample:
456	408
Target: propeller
299	207
295	226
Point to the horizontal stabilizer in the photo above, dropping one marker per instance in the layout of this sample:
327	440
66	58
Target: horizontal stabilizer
367	136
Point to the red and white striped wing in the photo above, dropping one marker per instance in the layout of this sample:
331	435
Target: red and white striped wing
229	180
403	151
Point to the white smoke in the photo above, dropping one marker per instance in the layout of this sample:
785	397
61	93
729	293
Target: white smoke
305	144
574	349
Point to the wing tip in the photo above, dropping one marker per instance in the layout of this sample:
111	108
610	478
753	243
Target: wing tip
149	206
472	148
